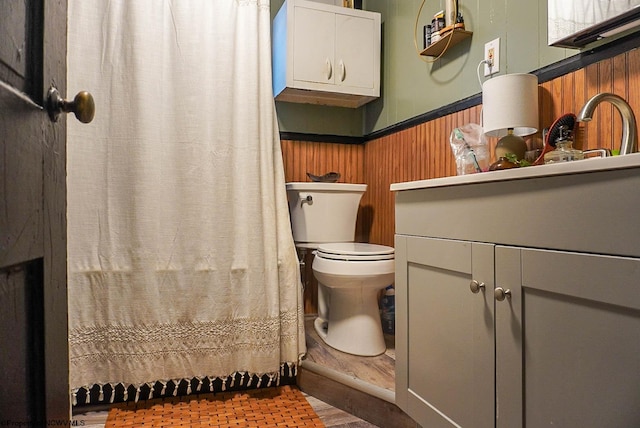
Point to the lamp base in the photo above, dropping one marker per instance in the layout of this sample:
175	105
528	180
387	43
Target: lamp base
511	144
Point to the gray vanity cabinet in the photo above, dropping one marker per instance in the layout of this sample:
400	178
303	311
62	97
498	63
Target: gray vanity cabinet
446	363
561	349
567	339
518	297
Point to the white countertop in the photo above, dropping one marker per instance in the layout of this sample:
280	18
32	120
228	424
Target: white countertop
564	168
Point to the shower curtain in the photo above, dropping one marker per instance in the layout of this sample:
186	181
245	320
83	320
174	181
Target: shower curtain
182	267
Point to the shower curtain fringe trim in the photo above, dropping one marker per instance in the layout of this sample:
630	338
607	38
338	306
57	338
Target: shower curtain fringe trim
117	392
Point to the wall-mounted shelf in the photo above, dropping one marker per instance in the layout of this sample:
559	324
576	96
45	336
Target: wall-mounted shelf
436	49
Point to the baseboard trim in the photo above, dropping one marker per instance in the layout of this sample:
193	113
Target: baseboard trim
352	382
365	401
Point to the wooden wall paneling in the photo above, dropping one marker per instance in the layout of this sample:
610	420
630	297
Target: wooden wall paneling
447	126
605	111
475	115
633	81
337	163
545	111
428	143
434	137
568	101
377	206
451	160
591	89
619	86
465	116
320	158
433	153
556	98
456	120
286	160
367	199
412	158
445	148
437	148
372	163
433	148
414	151
421	140
580	98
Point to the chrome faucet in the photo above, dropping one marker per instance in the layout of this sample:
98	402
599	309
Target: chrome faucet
629	128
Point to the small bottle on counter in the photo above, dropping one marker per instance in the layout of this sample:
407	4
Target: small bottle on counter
564	151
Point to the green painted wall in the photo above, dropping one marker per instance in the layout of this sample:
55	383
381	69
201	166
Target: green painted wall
410	86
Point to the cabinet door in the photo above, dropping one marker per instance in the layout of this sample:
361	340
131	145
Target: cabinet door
313	45
444	332
355	48
567	339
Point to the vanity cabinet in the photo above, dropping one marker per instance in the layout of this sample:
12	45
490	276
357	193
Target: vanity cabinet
509	318
444	332
326	54
567	339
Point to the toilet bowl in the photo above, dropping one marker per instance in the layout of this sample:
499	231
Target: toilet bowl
350	277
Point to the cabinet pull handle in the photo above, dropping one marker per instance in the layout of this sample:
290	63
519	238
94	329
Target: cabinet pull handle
475	286
500	293
329	69
343	71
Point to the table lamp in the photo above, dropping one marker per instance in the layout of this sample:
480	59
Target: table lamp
510	111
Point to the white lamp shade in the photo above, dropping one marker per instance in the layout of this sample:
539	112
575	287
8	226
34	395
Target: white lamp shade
510	101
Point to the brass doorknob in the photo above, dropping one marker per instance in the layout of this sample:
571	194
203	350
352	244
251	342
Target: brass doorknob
82	105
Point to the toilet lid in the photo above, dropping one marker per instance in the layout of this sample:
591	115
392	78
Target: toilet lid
355	251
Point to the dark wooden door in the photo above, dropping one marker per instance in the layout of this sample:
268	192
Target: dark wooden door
34	370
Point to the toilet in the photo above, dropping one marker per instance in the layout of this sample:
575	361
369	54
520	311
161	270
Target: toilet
350	275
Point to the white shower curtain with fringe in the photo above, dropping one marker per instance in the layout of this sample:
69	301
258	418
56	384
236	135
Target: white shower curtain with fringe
181	261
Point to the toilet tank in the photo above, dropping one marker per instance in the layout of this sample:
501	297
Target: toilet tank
324	212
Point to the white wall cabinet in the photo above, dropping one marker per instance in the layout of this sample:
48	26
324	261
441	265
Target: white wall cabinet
563	346
325	54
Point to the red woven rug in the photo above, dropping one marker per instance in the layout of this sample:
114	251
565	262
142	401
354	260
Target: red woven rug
283	406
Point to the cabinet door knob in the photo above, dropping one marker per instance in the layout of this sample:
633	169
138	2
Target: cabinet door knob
475	286
500	293
328	69
343	71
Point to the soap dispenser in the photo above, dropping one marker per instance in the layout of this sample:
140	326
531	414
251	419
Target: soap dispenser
564	151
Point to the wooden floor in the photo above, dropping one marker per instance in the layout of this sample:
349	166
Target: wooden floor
379	371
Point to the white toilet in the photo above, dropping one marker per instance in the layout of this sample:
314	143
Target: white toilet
350	275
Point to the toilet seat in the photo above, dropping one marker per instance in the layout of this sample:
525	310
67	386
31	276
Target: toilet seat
355	251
